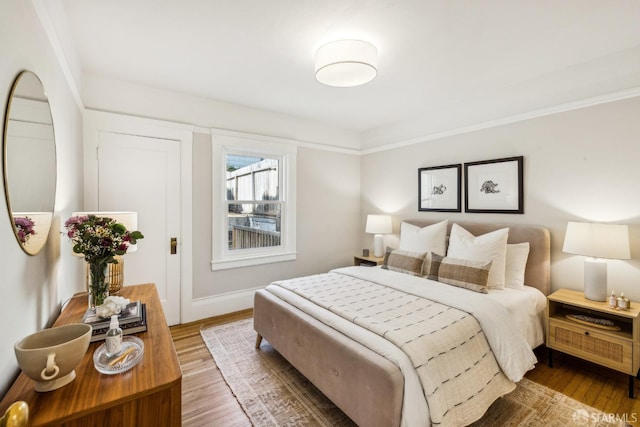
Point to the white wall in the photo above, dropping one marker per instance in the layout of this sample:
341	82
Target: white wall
581	165
34	286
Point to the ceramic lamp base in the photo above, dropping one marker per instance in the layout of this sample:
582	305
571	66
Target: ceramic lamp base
595	279
378	245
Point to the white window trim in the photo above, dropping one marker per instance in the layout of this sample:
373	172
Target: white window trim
224	142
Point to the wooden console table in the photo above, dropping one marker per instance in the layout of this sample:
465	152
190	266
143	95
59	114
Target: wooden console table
147	395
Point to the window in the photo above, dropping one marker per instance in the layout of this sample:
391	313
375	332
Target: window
253	208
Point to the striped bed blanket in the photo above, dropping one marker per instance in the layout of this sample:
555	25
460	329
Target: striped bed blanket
459	372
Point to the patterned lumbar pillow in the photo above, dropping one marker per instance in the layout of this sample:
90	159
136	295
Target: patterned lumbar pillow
472	275
404	261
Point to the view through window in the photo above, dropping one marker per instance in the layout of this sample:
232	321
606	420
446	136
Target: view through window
254	203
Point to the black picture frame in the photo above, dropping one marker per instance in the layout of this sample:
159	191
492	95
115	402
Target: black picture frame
494	186
440	188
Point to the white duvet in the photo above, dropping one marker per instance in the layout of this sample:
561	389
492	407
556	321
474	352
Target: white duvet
510	340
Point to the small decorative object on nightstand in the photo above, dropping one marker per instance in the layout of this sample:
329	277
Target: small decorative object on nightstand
368	261
594	331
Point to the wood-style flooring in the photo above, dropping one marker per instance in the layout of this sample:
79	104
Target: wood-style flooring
208	401
206	398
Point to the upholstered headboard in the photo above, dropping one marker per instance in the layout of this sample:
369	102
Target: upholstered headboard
538	272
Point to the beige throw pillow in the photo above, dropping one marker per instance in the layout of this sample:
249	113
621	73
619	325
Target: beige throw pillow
404	261
472	275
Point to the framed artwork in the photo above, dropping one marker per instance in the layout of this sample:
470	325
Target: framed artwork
439	188
494	186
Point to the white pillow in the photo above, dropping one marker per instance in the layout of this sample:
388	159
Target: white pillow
517	255
432	238
487	247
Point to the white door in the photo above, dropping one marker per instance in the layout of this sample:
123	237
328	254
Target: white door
142	174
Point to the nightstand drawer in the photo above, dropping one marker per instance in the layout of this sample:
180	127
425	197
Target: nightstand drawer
587	343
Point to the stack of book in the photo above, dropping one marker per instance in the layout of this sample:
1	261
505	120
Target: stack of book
133	320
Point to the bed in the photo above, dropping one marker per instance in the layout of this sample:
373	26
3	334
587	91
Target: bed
375	368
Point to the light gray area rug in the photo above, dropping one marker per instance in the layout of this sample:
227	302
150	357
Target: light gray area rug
274	393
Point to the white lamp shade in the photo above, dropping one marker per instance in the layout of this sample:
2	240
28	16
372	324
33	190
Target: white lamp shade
597	240
346	63
128	219
378	224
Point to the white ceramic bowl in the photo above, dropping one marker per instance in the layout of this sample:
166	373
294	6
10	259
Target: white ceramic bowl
50	356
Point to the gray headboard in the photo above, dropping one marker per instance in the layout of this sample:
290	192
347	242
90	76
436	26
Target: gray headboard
538	270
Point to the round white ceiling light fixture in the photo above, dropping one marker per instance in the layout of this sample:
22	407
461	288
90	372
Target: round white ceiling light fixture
346	63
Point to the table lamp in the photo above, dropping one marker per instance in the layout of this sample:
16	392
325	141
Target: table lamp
378	225
597	241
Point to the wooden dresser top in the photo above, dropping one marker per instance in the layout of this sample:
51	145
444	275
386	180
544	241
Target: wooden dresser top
159	369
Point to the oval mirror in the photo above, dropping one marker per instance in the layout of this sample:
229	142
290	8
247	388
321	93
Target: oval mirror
29	162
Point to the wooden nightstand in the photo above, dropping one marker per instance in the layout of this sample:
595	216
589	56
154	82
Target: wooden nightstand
370	261
616	349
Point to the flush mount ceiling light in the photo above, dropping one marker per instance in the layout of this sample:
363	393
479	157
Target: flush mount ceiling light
346	63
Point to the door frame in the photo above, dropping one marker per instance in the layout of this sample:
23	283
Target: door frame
98	121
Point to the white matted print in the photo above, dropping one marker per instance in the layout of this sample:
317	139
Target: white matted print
494	186
439	188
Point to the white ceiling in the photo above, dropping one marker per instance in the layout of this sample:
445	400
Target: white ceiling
442	63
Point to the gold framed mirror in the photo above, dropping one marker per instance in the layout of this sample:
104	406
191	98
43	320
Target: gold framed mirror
29	155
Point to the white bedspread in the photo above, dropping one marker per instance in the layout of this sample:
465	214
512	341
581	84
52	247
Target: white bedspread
509	346
526	309
511	349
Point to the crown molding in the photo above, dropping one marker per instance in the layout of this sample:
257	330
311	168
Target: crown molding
561	108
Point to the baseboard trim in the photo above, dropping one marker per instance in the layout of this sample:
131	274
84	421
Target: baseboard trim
216	305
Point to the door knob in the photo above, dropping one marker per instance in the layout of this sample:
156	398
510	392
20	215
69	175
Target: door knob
174	245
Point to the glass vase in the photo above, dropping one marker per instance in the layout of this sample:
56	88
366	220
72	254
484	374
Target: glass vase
97	284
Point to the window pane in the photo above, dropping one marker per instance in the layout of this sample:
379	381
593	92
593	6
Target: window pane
244	188
266	183
254	225
252	178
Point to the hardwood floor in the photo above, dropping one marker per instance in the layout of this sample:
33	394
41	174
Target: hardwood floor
208	401
206	398
591	384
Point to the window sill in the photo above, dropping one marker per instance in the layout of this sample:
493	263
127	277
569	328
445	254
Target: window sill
249	261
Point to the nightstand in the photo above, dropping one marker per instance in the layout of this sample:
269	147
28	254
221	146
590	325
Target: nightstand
615	347
369	261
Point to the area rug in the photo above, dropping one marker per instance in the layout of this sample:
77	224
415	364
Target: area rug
273	393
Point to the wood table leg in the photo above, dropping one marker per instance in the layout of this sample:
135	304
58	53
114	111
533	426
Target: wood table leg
258	340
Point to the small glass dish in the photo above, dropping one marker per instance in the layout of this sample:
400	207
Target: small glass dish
131	353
